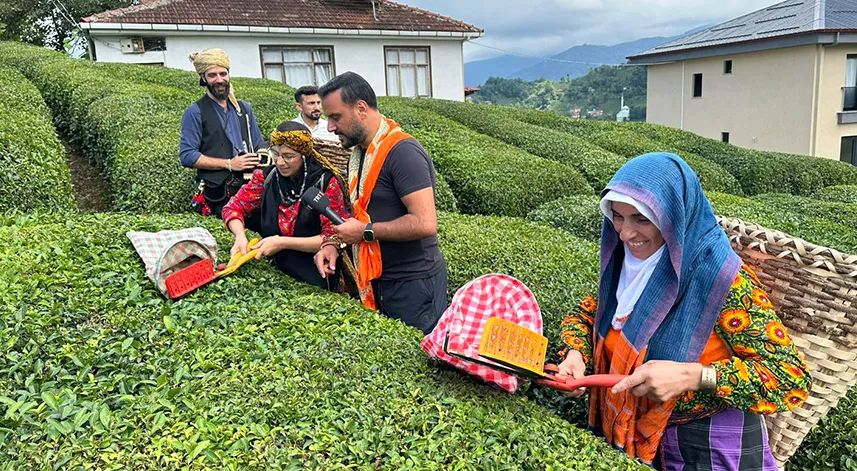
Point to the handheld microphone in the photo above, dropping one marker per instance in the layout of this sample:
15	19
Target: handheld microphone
321	203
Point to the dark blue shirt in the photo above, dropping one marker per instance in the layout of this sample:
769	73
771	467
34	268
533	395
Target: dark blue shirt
192	131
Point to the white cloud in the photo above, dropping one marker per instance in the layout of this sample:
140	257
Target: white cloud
545	27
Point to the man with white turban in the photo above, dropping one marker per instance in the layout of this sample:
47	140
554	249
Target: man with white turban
219	135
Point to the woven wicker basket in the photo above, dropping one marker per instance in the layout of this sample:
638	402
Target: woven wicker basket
814	290
334	152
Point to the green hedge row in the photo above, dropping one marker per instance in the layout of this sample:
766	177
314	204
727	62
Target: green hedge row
129	130
444	198
578	215
559	139
830	445
486	176
758	172
623	140
796	222
100	372
595	163
821	223
272	102
837	194
34	175
839	213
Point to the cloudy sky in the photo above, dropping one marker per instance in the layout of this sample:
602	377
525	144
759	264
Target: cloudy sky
545	27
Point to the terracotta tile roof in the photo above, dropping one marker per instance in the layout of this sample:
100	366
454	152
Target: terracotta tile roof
332	14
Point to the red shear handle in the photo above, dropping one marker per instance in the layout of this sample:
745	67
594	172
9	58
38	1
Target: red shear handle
570	384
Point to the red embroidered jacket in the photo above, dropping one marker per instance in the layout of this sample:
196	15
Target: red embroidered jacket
249	199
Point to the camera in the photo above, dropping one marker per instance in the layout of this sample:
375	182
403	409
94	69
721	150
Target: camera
264	160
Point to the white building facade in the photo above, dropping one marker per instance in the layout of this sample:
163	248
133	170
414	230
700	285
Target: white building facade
415	62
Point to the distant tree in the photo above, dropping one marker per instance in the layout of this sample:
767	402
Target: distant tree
603	87
503	91
50	23
600	89
543	94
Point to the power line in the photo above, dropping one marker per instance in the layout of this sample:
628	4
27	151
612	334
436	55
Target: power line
63	11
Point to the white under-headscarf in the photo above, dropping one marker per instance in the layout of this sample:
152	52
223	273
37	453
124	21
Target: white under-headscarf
635	272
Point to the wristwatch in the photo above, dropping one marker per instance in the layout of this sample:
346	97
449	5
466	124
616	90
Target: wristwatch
368	233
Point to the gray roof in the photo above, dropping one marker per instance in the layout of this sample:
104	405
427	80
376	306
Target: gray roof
788	18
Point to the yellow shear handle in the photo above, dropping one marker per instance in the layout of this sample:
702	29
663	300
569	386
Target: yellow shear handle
238	259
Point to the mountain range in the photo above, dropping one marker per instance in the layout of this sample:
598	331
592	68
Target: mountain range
581	60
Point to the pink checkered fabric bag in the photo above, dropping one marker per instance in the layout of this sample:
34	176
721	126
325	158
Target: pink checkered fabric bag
473	304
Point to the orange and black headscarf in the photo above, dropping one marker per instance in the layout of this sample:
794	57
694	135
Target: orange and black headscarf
300	140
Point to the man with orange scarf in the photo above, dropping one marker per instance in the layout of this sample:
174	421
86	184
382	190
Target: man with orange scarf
391	181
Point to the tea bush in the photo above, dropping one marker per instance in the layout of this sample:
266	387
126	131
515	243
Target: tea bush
837	194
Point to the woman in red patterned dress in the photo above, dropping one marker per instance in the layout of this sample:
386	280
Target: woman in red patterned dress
293	232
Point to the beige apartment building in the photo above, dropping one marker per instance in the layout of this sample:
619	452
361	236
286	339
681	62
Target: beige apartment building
783	78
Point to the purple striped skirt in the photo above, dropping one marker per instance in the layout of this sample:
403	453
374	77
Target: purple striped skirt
731	440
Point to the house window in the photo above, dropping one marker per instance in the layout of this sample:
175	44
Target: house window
298	66
850	89
408	71
727	67
724	136
697	85
848	151
155	44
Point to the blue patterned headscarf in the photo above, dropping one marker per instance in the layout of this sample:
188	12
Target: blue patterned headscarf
676	313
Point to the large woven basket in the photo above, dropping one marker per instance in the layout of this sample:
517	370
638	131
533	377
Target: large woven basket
814	290
334	152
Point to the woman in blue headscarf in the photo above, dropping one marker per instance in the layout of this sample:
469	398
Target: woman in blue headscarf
690	324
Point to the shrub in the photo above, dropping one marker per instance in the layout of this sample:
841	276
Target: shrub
830	444
34	174
757	171
129	130
595	163
99	371
579	215
486	176
273	102
798	223
444	198
837	194
559	268
621	141
839	213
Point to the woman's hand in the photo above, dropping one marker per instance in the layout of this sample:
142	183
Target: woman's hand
240	245
573	366
325	260
661	380
269	246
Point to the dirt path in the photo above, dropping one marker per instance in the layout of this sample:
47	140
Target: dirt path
90	191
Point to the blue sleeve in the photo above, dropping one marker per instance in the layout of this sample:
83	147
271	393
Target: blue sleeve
257	137
191	136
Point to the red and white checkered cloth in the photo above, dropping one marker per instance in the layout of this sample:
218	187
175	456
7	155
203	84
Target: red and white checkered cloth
473	304
163	251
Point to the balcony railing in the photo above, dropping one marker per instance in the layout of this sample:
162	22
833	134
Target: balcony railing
850	99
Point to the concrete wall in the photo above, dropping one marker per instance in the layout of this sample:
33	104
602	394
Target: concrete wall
362	55
766	103
830	100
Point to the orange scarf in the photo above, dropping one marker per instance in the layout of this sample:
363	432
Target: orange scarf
633	424
367	255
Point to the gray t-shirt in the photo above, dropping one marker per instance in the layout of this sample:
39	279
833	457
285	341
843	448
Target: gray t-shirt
408	168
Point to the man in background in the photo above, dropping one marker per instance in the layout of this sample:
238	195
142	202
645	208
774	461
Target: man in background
309	113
